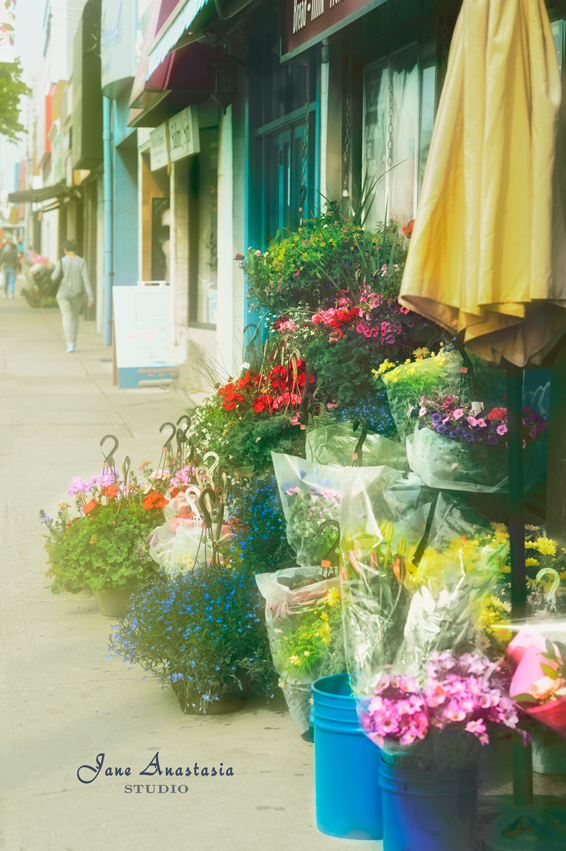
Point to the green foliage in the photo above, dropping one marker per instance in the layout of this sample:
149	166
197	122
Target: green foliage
203	632
12	88
312	639
344	369
326	256
34	297
244	442
105	549
259	540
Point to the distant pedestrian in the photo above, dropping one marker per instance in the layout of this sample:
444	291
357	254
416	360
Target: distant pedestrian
10	261
74	282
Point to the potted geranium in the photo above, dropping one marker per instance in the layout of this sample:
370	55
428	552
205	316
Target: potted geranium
103	543
201	633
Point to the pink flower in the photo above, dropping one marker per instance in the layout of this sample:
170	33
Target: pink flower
472	421
458	413
436	695
501	429
481	422
453	712
296	273
257	253
476	727
422	412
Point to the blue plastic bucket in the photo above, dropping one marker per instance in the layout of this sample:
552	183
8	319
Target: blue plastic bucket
348	797
428	810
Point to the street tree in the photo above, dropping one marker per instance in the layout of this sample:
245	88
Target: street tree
12	88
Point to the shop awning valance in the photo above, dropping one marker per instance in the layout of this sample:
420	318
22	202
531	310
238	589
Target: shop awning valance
187	15
36	196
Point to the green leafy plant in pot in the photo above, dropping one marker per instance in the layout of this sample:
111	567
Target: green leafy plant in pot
102	544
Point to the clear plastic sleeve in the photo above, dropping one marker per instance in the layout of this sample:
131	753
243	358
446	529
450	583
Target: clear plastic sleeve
337	443
443	462
304	624
311	494
416	574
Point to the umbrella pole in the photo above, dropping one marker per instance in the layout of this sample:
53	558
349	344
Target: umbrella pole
522	756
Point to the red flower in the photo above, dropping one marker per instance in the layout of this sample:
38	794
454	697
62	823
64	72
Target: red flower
154	500
408	229
497	414
109	492
89	506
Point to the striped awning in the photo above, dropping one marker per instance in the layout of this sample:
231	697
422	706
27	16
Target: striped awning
182	19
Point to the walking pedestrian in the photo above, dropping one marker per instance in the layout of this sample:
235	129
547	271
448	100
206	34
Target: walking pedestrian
10	261
72	271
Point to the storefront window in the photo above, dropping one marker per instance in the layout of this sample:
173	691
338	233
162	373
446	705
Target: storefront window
204	236
394	186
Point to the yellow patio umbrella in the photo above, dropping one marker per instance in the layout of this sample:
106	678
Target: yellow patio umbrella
487	259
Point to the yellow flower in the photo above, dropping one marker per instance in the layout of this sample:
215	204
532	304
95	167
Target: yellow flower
530	545
421	353
531	562
332	597
546	546
294	660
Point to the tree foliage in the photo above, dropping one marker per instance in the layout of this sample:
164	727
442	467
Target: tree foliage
12	88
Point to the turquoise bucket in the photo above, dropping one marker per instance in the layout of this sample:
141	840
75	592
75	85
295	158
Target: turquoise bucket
348	797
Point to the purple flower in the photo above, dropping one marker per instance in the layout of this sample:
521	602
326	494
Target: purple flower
469	437
442	429
491	440
435	418
459	433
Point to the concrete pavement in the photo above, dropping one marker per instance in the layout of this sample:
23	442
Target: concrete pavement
63	702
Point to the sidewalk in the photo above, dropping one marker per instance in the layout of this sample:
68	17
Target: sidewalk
63	701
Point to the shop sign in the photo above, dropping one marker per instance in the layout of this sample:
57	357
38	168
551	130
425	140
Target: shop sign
307	22
158	148
183	134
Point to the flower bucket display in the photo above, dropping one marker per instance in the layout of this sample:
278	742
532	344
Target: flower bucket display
304	624
348	797
428	810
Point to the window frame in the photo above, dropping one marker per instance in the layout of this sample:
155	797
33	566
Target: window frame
430	59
